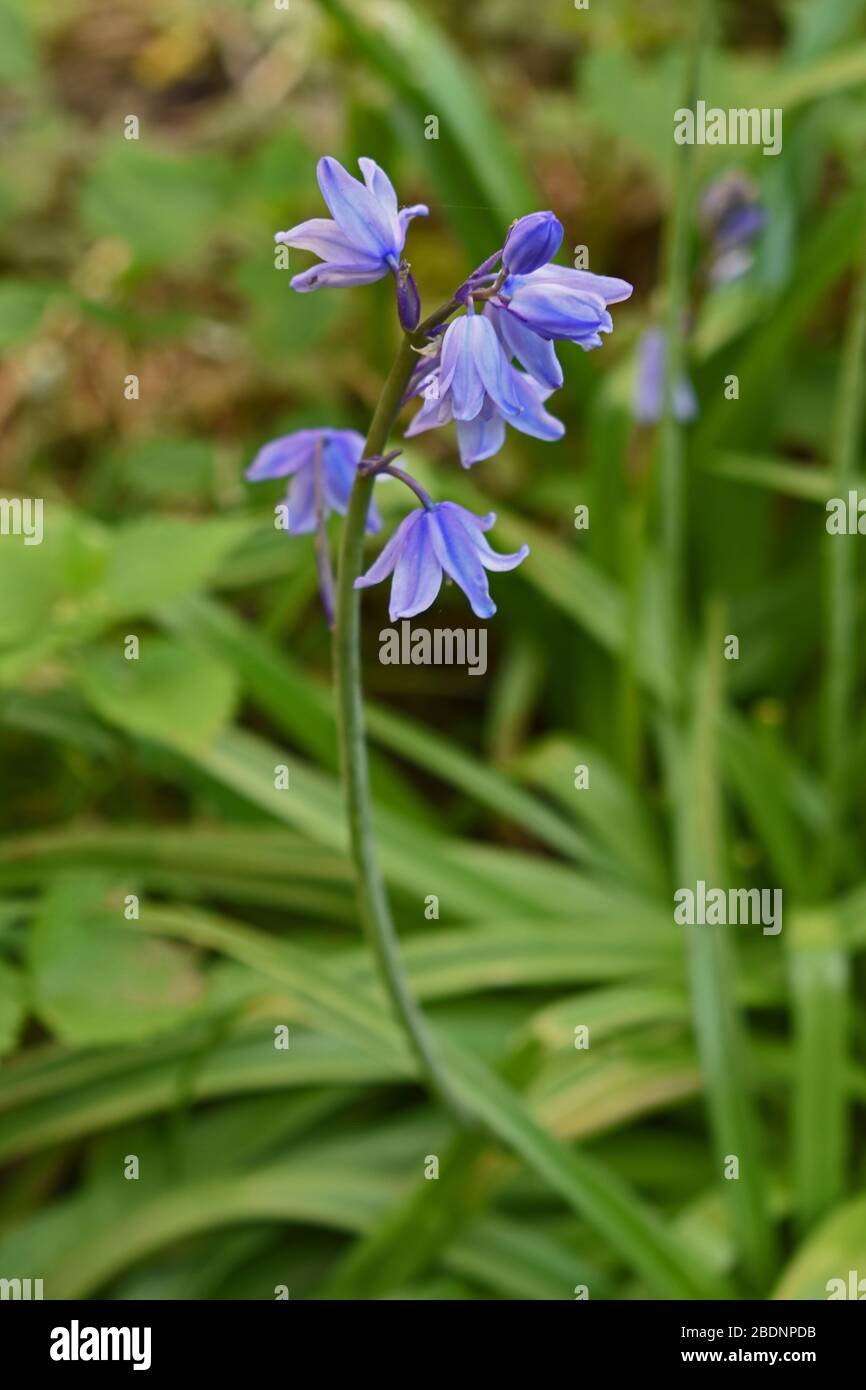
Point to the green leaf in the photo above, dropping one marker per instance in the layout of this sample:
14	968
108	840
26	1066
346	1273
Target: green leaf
479	882
805	482
170	692
838	1246
13	1004
608	806
18	53
94	982
819	984
590	1189
166	467
634	1230
722	1046
162	205
22	306
158	559
48	585
236	864
306	711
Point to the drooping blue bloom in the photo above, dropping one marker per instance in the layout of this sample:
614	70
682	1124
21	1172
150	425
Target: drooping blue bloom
429	540
556	302
365	240
333	454
474	370
648	402
532	241
484	435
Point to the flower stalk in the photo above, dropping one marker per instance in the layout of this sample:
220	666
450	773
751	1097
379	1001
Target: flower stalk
372	895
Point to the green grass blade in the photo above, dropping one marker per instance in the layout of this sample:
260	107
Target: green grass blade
841	575
819	985
830	1253
717	1025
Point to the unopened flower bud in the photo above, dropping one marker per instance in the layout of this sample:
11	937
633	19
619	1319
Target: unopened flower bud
532	242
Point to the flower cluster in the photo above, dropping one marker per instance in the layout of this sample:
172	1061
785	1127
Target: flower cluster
488	361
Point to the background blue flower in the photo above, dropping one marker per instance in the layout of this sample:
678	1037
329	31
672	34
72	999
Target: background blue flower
296	456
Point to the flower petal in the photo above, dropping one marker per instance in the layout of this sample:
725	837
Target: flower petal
339	474
534	419
319	276
607	287
325	239
283	456
684	401
382	189
537	355
492	366
360	216
475	526
434	413
459	373
388	555
301	498
532	241
480	438
379	184
557	311
459	557
405	216
418	573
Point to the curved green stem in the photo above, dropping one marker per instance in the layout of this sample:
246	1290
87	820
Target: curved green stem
372	896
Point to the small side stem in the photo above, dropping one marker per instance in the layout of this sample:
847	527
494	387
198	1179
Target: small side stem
323	550
412	484
372	896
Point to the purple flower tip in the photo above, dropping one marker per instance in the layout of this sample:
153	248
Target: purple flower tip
408	299
531	242
444	537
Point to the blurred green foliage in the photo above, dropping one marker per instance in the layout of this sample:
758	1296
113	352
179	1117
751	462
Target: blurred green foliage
150	261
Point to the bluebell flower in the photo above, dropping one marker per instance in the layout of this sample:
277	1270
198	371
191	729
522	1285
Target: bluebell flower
648	402
365	240
297	456
556	302
484	435
429	540
474	370
531	242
